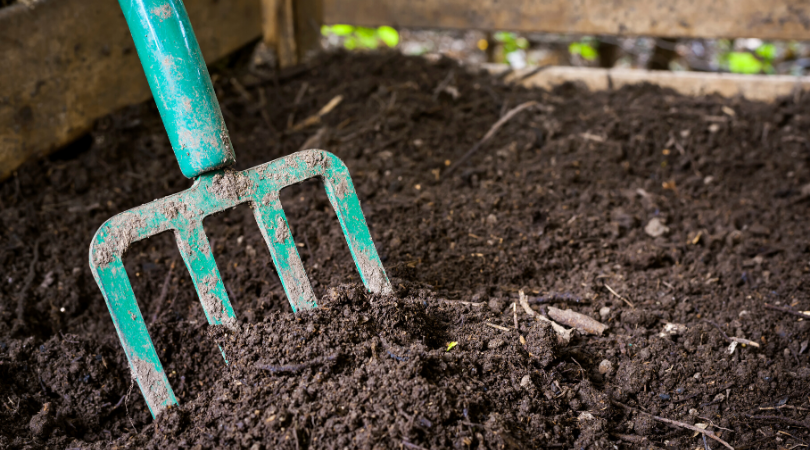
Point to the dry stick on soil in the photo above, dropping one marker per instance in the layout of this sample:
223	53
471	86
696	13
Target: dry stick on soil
163	292
461	302
293	368
730	338
497	327
443	84
707	433
577	320
787	310
617	295
316	118
563	335
494	129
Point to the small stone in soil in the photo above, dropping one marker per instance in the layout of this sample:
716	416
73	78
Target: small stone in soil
655	228
605	367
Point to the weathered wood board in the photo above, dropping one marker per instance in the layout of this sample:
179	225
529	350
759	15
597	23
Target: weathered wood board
65	63
776	19
765	88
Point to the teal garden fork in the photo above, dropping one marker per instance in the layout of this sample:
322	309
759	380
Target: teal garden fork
182	89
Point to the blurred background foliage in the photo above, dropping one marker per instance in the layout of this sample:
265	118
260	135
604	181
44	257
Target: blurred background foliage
360	38
743	56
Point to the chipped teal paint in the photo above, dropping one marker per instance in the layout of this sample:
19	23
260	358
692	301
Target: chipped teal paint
182	89
188	106
184	212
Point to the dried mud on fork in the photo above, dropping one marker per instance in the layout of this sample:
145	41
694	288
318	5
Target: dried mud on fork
671	220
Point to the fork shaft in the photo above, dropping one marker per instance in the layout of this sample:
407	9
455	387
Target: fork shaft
181	86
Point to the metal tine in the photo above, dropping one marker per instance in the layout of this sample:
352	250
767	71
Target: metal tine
144	363
276	232
196	252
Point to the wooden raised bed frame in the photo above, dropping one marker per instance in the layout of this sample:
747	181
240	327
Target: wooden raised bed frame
66	63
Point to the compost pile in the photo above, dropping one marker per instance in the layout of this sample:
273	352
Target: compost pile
674	221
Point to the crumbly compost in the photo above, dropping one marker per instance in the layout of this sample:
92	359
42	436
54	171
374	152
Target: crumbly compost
670	220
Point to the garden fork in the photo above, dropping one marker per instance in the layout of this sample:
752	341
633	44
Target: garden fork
182	89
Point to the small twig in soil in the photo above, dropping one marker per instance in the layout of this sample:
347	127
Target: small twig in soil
787	310
772	408
619	296
709	434
706	444
514	314
163	292
795	423
294	368
461	302
444	83
494	129
497	327
563	335
126	403
576	320
119	403
316	118
730	338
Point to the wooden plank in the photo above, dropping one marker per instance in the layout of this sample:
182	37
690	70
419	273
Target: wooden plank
766	88
776	19
293	29
308	21
66	63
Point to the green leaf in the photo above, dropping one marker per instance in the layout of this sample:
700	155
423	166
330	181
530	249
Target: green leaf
388	35
350	43
583	49
365	32
503	36
450	345
368	42
342	30
522	43
743	62
766	52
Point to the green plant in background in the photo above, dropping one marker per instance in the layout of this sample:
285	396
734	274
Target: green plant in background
362	37
743	62
585	48
510	42
761	60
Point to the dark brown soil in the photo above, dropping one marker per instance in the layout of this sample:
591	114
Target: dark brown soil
556	204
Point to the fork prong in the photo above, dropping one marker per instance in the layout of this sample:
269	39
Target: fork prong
343	196
140	351
276	232
196	252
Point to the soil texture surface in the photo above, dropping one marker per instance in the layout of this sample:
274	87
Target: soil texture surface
678	223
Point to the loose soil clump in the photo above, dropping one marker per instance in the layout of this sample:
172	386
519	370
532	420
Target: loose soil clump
673	221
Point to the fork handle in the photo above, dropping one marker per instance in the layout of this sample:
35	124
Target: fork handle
181	86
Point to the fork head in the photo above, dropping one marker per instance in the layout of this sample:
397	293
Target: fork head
184	212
